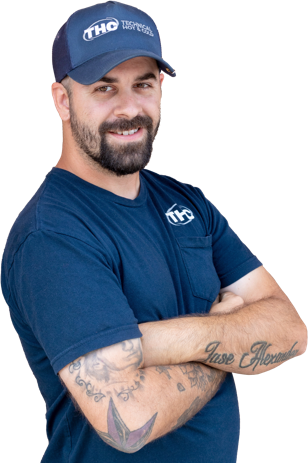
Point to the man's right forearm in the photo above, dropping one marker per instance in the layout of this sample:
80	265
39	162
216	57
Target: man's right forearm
169	397
130	406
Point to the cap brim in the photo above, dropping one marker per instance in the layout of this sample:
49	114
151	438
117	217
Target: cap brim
96	68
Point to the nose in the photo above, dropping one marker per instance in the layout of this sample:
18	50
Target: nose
127	105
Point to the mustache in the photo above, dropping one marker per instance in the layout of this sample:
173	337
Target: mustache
122	125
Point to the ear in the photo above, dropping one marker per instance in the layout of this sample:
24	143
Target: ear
61	100
161	78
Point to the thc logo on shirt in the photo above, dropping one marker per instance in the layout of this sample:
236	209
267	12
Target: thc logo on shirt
179	215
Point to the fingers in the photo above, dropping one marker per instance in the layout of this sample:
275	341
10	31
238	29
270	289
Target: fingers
231	298
227	295
228	303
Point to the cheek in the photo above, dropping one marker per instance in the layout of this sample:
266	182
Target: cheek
96	113
151	108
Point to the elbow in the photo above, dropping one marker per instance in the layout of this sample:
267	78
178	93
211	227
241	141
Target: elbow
302	351
303	348
305	341
120	444
302	339
120	437
130	450
126	449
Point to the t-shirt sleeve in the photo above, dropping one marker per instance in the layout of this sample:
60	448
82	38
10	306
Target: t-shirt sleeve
69	295
231	257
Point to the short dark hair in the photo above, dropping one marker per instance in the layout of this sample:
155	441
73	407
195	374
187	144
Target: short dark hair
66	82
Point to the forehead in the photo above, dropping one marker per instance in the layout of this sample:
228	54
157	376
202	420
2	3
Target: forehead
134	67
125	73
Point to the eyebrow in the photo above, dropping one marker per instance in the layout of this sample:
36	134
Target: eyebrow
113	80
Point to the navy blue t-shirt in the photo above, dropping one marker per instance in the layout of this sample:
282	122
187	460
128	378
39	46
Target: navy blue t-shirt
83	266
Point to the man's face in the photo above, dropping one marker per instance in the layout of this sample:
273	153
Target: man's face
115	120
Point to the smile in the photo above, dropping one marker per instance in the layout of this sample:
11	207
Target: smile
130	132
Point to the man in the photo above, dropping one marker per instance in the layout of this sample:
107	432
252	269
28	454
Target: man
107	251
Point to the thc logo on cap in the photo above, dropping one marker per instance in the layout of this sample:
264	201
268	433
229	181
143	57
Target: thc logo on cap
100	27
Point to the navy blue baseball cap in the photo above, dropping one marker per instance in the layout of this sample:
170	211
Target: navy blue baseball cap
96	39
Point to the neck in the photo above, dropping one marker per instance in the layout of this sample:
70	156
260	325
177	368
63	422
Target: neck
127	186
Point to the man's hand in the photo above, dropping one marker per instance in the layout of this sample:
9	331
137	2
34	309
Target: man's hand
226	302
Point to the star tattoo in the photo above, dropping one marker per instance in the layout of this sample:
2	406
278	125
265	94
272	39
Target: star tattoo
120	437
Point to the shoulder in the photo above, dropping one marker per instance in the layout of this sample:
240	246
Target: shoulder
170	183
170	191
30	218
55	209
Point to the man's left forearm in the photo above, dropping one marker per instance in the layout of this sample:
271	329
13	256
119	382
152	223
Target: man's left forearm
251	340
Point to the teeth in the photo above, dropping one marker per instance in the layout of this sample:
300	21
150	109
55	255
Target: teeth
130	132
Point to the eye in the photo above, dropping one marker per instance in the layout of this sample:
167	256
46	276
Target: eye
104	89
143	85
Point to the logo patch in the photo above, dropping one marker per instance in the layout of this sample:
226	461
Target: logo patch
100	27
179	215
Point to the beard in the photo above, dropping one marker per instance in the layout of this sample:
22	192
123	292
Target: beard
119	159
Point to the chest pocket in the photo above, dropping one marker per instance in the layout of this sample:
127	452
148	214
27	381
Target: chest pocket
198	259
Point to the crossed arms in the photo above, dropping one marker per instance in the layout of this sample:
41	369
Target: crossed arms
138	390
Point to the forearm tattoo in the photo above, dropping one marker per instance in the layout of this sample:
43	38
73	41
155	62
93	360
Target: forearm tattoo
256	357
126	393
196	375
98	369
163	369
113	376
120	437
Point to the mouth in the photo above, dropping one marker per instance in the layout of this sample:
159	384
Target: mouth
129	132
128	135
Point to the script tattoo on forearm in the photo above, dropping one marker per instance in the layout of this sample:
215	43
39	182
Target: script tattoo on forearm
259	349
213	357
120	437
259	358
